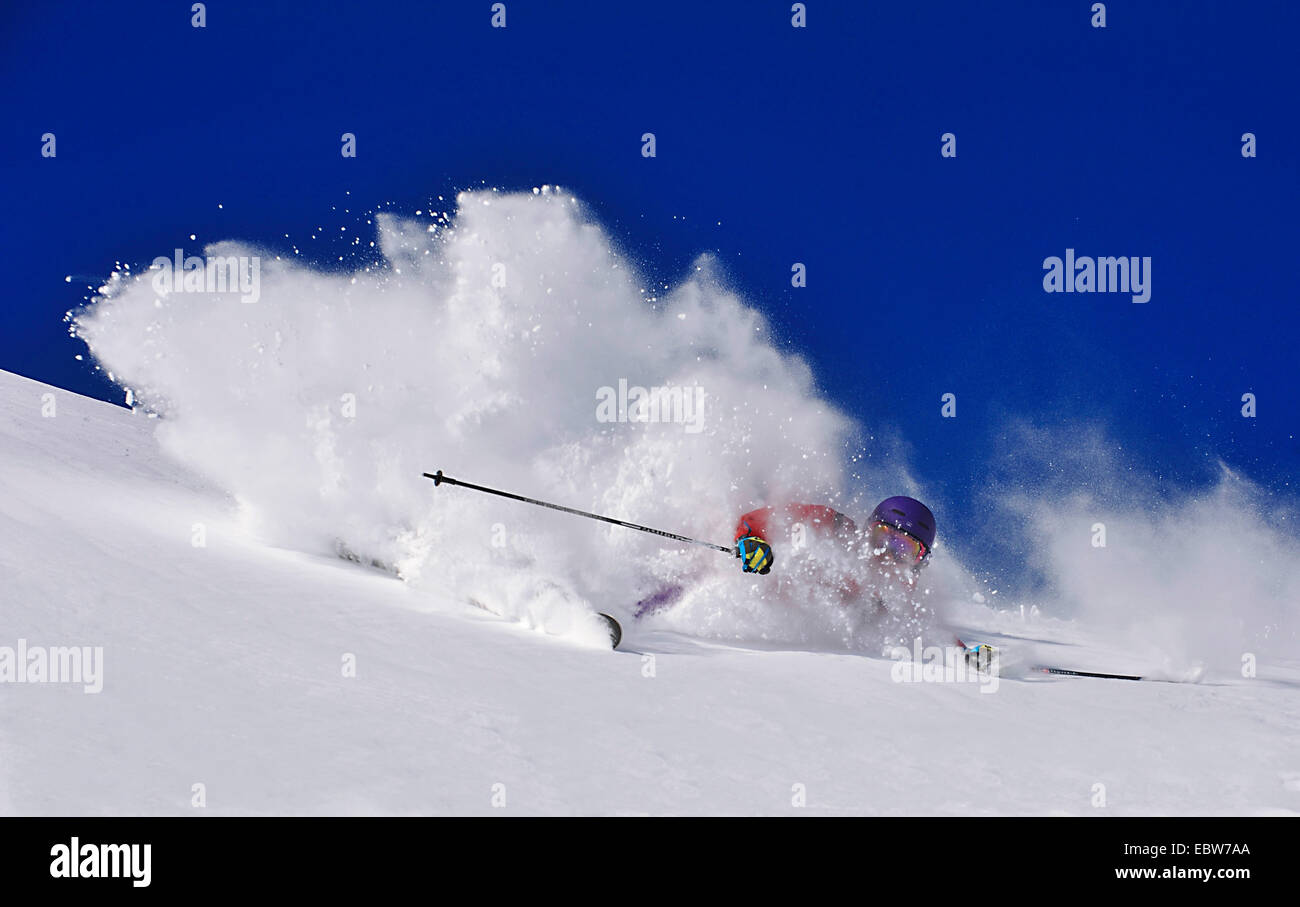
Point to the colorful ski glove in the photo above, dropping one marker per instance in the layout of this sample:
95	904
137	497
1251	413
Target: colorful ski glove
981	657
755	554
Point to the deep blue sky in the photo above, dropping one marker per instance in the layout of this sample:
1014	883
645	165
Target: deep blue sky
818	145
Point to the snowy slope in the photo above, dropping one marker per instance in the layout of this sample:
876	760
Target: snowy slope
223	666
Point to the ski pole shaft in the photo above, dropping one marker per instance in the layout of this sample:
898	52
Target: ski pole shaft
439	479
1065	671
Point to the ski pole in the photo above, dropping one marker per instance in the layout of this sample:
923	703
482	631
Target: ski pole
439	478
1050	670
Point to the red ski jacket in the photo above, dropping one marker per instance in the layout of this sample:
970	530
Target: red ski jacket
768	521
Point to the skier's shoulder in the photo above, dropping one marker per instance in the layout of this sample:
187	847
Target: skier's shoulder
818	517
821	516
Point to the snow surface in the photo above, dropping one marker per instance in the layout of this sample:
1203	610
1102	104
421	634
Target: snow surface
222	666
296	428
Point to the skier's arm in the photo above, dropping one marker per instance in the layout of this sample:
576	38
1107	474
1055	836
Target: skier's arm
755	554
757	526
751	547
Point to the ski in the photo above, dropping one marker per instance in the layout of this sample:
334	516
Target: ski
612	626
615	629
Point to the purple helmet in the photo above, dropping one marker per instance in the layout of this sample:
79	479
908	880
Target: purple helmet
909	515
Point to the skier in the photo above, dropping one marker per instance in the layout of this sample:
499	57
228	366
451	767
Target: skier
901	532
882	564
899	538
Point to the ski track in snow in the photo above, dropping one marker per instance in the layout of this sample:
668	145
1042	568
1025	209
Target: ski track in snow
223	666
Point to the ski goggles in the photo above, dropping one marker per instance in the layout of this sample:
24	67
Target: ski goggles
894	541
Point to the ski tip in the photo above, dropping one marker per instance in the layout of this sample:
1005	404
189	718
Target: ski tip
615	630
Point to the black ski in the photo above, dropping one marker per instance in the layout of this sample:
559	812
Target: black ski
615	630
